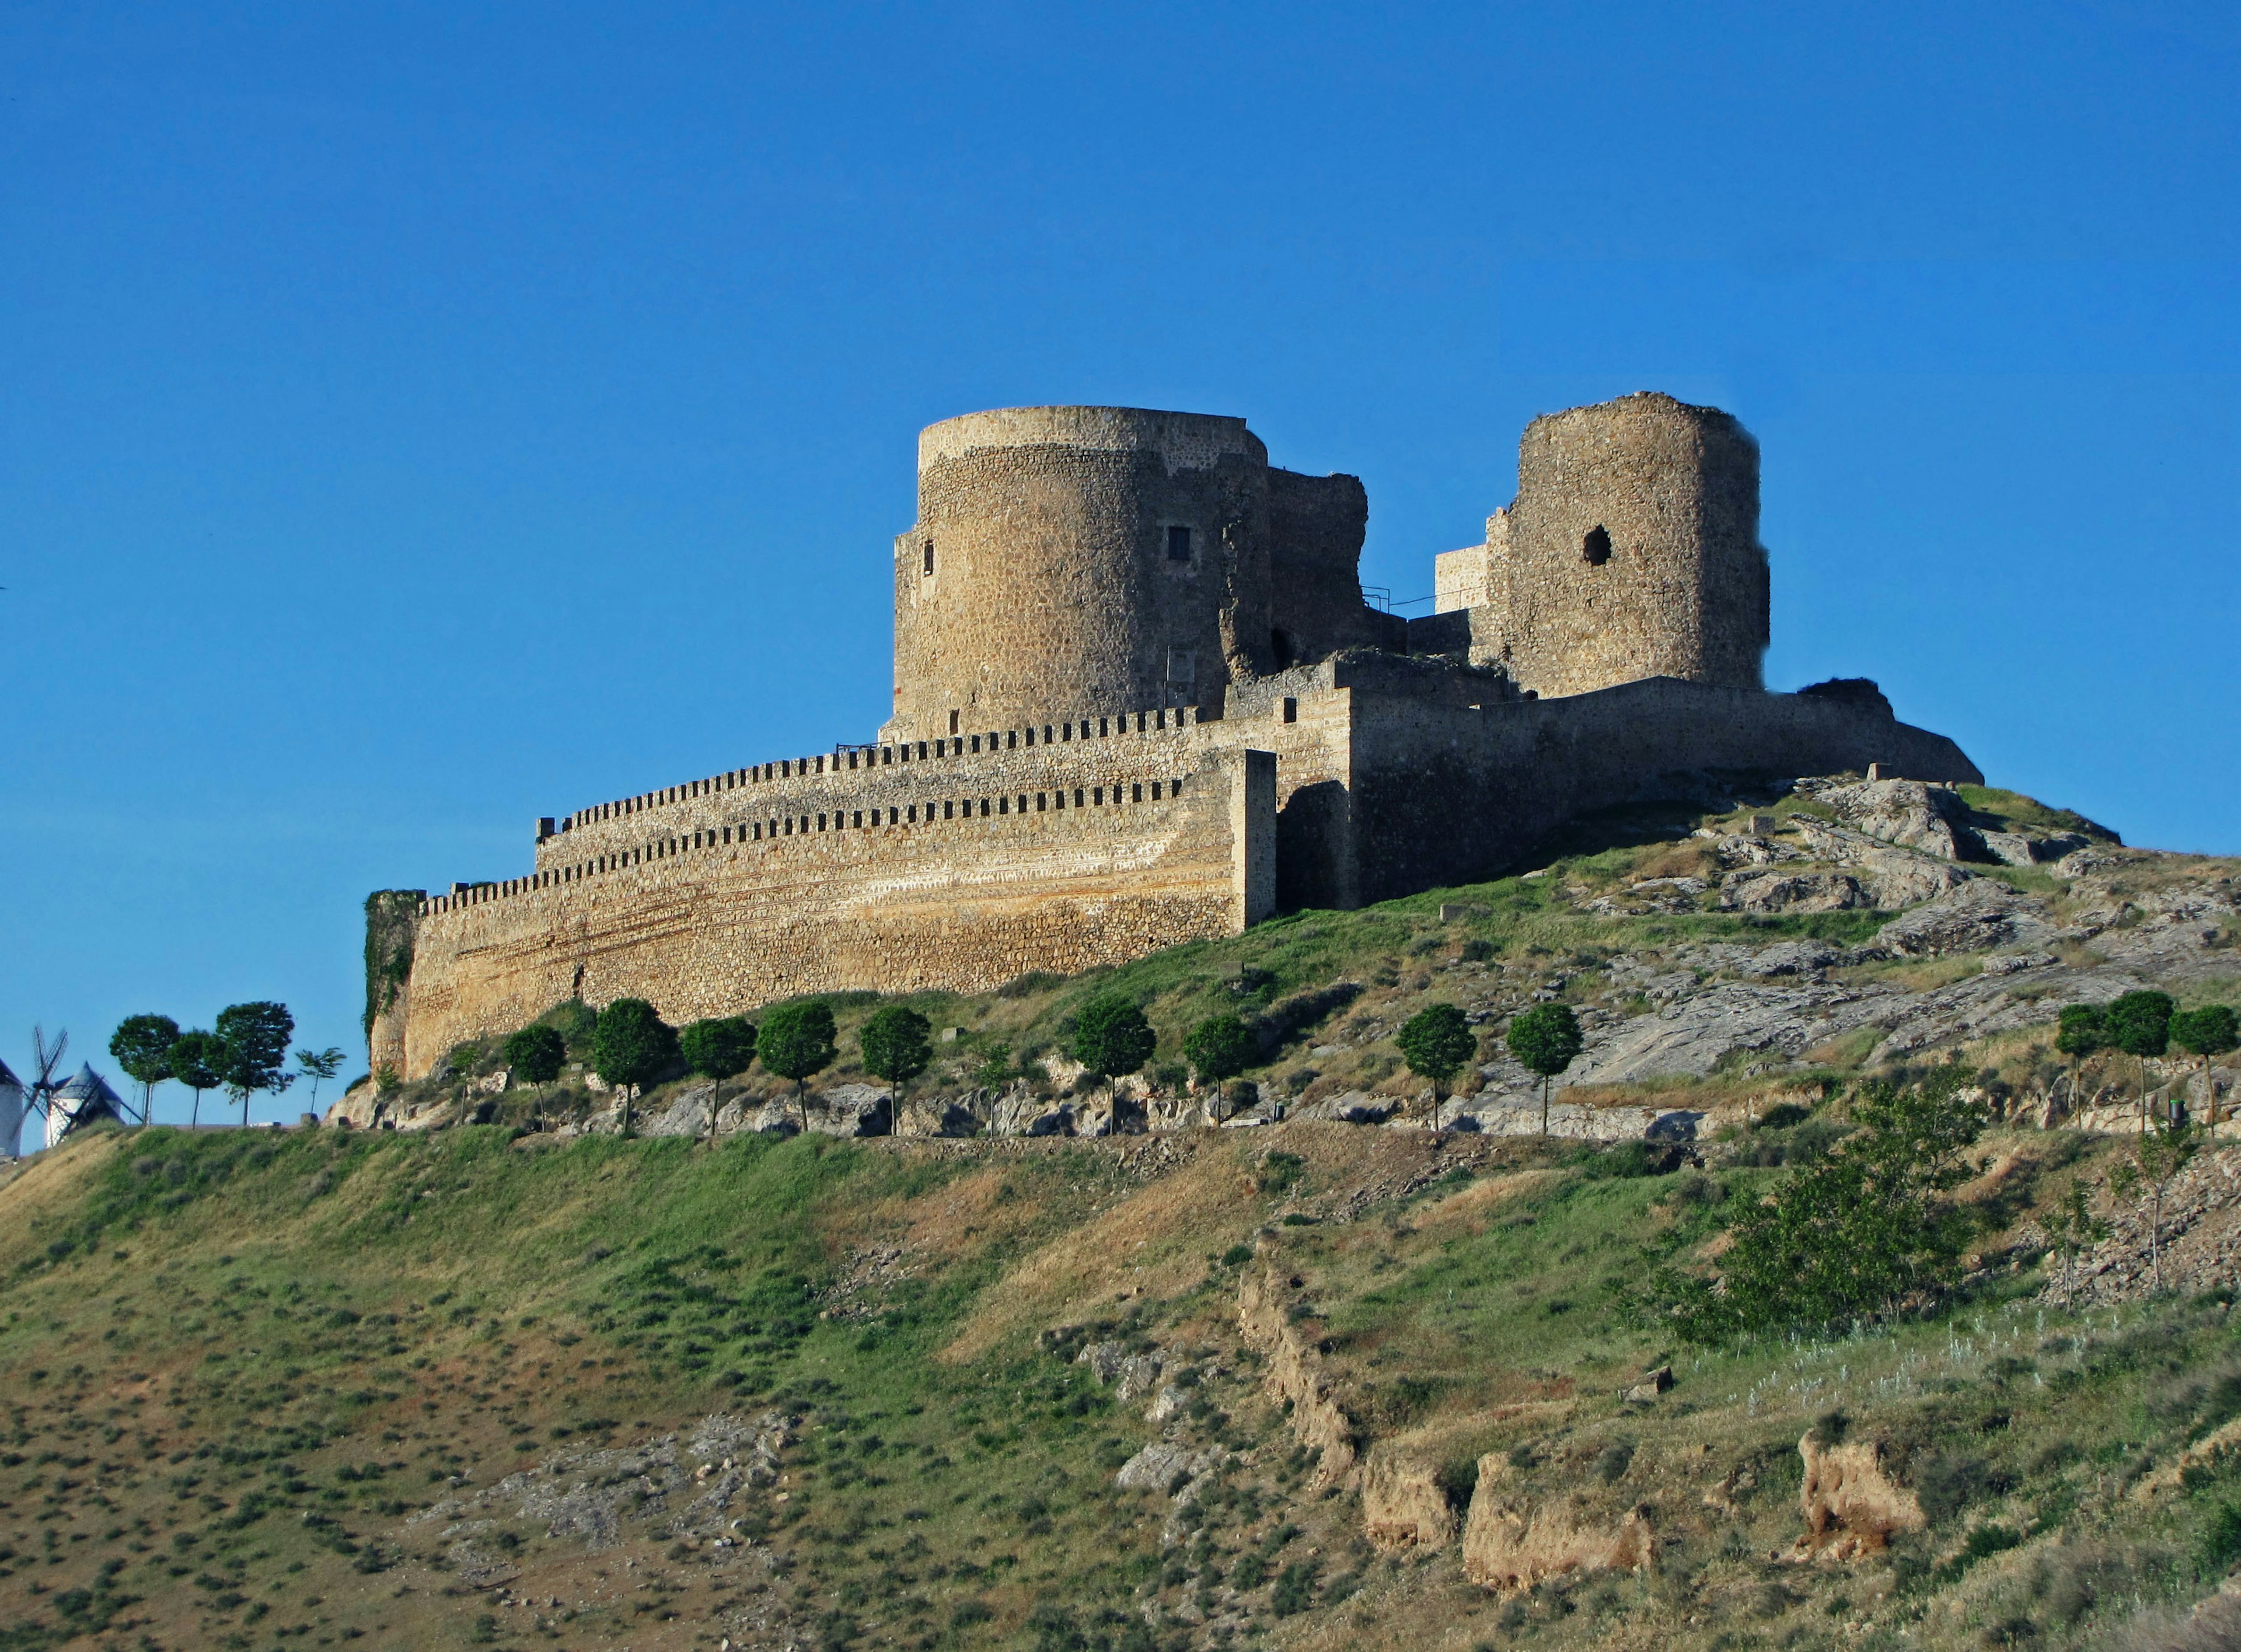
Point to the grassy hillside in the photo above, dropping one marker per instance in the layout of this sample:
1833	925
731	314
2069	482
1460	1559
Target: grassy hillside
485	1386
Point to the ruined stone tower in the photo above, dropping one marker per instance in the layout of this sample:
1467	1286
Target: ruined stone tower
1632	551
1068	561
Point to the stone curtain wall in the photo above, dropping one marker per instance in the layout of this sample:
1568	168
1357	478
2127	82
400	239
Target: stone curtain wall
958	901
907	776
1667	496
1440	793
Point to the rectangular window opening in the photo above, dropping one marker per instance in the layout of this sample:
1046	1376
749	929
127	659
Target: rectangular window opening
1179	545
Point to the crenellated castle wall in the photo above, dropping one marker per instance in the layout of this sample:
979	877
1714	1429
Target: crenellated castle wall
983	885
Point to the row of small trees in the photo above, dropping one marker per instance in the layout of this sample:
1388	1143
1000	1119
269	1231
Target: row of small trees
245	1052
2146	1025
632	1045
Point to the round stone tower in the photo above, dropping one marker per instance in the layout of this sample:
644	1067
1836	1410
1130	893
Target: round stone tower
1632	550
1078	561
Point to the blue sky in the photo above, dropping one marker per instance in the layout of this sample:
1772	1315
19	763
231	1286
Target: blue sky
417	419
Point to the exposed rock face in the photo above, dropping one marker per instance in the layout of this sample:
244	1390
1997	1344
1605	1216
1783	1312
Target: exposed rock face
853	1110
1979	915
1295	1371
1166	1467
1851	1506
1508	1545
1910	813
1794	891
1404	1505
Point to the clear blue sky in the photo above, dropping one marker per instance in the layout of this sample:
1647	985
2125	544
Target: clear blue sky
417	419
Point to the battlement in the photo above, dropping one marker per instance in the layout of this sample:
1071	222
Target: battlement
901	770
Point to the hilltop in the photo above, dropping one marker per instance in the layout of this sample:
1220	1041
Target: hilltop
1308	1384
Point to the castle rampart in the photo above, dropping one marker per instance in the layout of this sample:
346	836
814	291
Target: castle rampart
1287	745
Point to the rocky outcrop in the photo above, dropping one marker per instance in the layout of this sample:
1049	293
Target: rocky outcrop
1404	1505
1851	1506
1509	1544
1295	1371
1911	814
853	1110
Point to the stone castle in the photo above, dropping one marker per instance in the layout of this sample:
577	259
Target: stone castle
1140	700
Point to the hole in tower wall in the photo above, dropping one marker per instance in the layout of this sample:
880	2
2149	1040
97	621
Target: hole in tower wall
1595	548
1279	644
927	552
1179	545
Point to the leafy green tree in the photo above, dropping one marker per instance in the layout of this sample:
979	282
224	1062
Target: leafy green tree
142	1045
632	1047
2209	1032
2139	1024
255	1036
898	1044
718	1049
2081	1030
1861	1230
1435	1042
1220	1047
197	1061
537	1053
1545	1038
319	1065
1110	1037
795	1042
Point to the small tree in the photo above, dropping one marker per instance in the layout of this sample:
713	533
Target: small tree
898	1044
1545	1038
2082	1029
2209	1032
1220	1047
2157	1157
256	1038
537	1053
1435	1042
795	1042
1110	1037
718	1049
197	1060
2072	1225
632	1045
2139	1024
319	1065
142	1045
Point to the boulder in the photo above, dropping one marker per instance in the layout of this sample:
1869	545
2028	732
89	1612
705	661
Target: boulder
853	1110
1169	1403
1165	1466
686	1115
779	1116
1355	1106
1103	1359
935	1116
1138	1374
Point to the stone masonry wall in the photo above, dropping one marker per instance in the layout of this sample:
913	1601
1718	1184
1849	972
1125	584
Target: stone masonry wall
956	899
1439	791
1632	551
903	777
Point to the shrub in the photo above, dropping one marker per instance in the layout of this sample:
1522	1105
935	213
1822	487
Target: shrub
1221	1046
536	1055
720	1049
1861	1230
898	1044
1110	1037
1296	1589
631	1044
